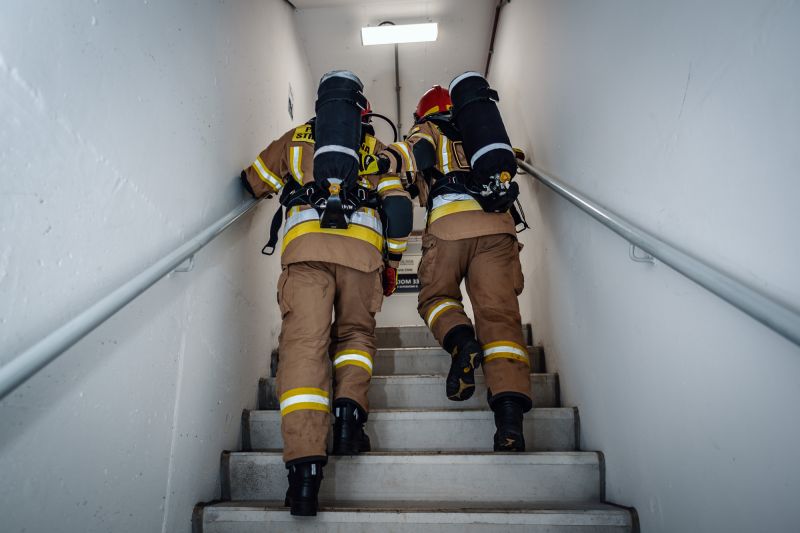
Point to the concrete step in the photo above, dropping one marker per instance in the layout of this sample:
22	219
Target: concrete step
425	392
508	478
430	361
258	517
421	337
447	431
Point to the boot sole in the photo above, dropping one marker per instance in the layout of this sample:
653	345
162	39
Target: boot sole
303	509
518	446
460	383
349	449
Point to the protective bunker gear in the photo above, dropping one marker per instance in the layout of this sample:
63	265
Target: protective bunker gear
466	241
326	271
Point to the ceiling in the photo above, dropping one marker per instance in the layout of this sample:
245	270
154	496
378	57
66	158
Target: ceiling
331	33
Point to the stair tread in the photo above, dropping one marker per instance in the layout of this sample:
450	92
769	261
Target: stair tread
478	376
426	476
531	458
454	430
426	391
451	515
433	413
421	336
433	506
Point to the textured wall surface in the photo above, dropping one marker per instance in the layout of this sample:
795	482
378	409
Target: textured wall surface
123	127
685	118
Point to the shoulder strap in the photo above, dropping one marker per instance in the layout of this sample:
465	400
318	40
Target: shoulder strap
445	124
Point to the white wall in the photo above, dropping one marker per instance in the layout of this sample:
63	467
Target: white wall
685	118
123	127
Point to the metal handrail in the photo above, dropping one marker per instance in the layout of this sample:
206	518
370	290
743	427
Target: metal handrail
769	312
26	364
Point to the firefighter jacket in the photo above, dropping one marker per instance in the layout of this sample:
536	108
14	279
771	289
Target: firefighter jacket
361	245
452	216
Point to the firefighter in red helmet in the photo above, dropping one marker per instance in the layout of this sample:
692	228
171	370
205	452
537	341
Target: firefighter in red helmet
471	235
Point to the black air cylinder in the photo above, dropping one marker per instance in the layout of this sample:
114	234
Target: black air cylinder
337	132
484	136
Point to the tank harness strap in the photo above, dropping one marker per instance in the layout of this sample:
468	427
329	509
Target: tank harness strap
520	223
294	194
483	94
345	95
456	183
451	183
275	227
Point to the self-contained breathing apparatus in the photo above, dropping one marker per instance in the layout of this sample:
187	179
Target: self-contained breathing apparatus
335	192
475	121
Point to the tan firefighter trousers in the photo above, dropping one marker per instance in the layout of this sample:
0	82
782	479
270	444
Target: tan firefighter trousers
490	264
308	293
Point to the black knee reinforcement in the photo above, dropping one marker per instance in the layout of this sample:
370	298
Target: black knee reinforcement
399	215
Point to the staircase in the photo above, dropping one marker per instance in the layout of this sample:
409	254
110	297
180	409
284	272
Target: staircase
432	468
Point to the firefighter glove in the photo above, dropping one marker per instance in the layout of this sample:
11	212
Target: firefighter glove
373	164
389	280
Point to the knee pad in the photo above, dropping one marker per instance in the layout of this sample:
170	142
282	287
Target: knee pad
399	214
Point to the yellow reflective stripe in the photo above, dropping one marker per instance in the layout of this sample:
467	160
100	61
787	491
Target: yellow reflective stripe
444	155
303	390
454	207
367	218
509	344
305	406
505	350
296	159
388	184
397	245
403	148
437	310
266	176
357	358
304	398
355	231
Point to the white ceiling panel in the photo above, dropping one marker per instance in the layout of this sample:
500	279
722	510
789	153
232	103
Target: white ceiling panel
331	33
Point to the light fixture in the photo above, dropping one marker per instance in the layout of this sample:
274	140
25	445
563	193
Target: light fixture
404	33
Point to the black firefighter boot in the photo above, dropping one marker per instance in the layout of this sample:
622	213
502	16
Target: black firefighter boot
467	355
348	428
508	412
304	480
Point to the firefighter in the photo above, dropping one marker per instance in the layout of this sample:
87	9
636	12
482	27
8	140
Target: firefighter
329	269
465	166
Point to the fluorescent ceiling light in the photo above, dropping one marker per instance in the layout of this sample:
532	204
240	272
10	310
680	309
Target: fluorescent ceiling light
404	33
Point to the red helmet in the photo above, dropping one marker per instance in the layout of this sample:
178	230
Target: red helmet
435	100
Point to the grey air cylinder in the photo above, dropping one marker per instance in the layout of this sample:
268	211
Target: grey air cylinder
484	136
337	131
